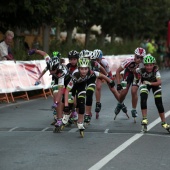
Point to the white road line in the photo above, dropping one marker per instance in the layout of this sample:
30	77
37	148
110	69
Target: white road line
45	129
12	129
106	131
122	147
73	130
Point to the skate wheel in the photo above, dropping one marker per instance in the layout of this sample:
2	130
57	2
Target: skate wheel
115	117
144	128
62	127
134	120
127	115
97	115
57	130
82	133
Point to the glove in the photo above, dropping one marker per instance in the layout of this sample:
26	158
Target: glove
147	82
31	52
112	84
37	82
119	87
66	109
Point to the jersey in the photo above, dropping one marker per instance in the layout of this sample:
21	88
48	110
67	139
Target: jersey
71	68
129	64
104	63
95	66
77	78
151	77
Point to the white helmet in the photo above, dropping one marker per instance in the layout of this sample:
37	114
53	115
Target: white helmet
93	55
140	51
85	54
99	53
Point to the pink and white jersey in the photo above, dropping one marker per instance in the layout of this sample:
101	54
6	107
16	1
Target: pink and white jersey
104	63
129	63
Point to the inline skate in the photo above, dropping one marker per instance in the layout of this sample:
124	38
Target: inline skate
134	114
97	109
87	119
144	124
81	129
58	126
166	126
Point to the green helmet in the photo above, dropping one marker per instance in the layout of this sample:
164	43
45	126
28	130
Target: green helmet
148	59
83	62
56	54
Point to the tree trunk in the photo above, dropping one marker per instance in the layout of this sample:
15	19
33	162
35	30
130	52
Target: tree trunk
87	38
69	36
46	38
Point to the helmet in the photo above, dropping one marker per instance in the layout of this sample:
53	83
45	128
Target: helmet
140	51
93	55
83	62
53	63
56	54
99	53
73	54
148	59
85	54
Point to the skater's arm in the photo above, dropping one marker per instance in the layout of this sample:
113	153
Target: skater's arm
157	83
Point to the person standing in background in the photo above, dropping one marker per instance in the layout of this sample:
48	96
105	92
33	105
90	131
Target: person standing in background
5	50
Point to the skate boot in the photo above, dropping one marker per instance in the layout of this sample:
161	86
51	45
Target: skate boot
97	109
117	110
65	120
87	119
58	125
166	126
55	117
54	106
73	117
134	114
124	109
144	124
81	128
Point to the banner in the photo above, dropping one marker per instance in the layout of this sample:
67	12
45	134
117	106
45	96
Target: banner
22	75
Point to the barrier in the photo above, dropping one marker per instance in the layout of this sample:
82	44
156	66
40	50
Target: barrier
21	76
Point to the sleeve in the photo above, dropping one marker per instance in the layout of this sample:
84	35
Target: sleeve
125	64
105	65
3	51
158	75
70	84
61	81
96	73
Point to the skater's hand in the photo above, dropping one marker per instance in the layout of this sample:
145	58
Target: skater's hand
119	87
66	109
147	82
37	82
31	52
112	84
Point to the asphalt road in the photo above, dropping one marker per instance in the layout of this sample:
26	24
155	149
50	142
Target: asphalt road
27	141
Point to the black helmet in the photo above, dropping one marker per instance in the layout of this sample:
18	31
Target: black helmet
53	63
73	54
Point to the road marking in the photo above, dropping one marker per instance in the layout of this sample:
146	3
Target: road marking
12	129
106	131
45	129
73	130
123	146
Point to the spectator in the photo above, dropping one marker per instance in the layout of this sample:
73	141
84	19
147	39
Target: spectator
151	47
5	50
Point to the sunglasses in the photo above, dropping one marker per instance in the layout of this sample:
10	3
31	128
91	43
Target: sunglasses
139	57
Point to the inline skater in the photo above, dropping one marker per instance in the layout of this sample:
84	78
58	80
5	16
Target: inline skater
151	79
104	63
73	57
79	80
38	81
128	66
91	82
